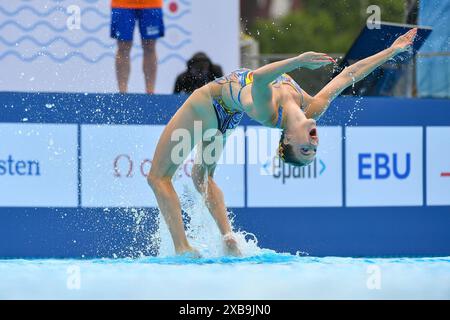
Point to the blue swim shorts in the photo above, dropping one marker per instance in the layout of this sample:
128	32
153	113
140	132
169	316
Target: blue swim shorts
151	25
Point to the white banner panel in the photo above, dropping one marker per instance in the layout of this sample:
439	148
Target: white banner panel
117	158
271	183
48	45
438	166
384	166
38	165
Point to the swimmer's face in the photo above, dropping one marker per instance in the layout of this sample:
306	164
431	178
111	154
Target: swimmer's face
304	140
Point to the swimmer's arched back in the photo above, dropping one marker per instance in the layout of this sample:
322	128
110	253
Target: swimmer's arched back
266	96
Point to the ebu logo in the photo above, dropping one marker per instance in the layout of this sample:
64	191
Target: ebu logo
12	167
380	166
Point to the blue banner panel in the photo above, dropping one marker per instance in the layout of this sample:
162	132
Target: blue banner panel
91	233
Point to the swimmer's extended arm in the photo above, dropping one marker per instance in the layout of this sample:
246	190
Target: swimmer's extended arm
355	73
263	77
310	60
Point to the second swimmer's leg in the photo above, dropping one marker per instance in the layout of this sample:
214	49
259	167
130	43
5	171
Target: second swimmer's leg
203	178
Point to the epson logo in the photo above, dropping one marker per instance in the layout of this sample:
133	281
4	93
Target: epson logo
283	171
12	167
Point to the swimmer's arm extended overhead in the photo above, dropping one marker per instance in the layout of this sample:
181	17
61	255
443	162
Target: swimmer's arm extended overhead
263	77
355	73
310	60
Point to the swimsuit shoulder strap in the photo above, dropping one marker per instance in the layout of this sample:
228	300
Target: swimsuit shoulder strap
286	79
280	116
245	77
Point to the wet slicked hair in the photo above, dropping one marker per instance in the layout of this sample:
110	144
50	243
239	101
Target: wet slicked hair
286	153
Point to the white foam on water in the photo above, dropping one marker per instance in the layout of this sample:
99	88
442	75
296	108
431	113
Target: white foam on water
201	230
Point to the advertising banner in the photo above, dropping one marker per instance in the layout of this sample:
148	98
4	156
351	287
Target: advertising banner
384	166
438	166
38	165
117	158
272	183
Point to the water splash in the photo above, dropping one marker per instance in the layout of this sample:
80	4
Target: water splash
402	57
351	120
201	229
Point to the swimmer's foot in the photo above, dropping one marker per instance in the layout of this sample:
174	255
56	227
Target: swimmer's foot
189	252
231	245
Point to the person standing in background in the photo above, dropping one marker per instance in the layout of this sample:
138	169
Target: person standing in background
124	14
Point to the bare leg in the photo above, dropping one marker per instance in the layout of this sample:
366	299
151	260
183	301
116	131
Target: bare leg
149	64
202	176
169	204
123	64
164	166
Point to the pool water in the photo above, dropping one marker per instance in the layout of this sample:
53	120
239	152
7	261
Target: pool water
260	274
268	275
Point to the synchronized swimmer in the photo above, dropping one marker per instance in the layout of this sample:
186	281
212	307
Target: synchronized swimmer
267	95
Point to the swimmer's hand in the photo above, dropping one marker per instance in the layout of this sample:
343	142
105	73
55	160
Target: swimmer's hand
404	42
314	60
231	245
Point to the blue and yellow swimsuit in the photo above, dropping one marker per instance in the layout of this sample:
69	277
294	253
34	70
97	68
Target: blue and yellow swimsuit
229	119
